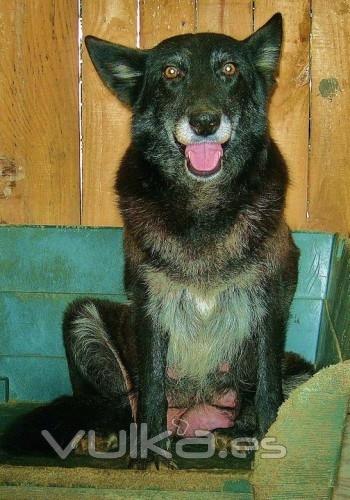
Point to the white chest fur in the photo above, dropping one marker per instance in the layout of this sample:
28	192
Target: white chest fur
204	305
206	328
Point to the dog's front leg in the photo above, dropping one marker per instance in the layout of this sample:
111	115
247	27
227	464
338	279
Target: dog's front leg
268	397
152	436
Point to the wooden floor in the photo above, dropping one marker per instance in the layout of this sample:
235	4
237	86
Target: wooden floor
342	489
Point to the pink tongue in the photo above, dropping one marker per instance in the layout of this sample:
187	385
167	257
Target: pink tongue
204	156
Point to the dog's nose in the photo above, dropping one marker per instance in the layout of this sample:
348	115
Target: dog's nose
205	122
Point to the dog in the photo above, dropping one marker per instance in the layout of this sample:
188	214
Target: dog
210	265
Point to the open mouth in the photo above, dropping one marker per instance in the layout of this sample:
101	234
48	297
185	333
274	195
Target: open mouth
203	159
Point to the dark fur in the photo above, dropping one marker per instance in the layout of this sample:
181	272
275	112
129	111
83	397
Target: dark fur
220	240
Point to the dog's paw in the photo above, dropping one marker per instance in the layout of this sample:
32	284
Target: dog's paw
234	440
222	440
101	444
156	463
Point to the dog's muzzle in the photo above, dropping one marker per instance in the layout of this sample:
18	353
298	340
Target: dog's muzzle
203	152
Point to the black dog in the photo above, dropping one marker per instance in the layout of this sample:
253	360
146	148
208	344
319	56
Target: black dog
211	268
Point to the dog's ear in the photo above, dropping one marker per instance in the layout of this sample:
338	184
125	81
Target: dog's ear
120	68
265	46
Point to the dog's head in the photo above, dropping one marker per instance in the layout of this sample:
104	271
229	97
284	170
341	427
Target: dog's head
199	101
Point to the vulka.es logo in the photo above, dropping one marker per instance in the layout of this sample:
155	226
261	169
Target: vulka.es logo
239	447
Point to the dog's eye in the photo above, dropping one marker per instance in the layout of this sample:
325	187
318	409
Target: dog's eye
229	69
172	72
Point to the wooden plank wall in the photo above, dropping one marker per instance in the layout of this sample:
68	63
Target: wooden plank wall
105	120
43	179
39	119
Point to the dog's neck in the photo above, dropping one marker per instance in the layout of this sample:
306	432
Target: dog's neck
206	210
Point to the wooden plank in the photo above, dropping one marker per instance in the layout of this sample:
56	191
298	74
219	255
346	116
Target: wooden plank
31	334
56	493
35	378
314	264
164	18
39	126
30	322
208	481
305	316
338	295
61	260
32	345
329	190
74	260
328	351
222	16
105	120
289	110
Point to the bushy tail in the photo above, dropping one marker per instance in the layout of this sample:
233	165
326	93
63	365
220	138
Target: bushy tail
295	371
63	418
